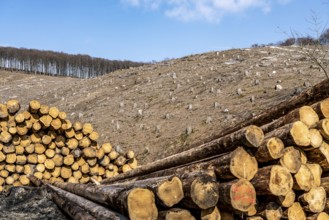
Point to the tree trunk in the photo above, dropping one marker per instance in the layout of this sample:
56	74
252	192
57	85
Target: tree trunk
320	156
273	180
137	203
272	211
239	194
322	108
291	159
250	136
70	208
323	127
96	210
210	214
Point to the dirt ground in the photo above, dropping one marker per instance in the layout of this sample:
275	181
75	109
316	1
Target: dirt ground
161	109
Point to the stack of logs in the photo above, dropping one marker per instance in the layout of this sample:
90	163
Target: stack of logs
42	141
274	166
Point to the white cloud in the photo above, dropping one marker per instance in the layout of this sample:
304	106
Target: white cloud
209	10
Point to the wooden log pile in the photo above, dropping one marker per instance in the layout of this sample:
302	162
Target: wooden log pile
42	141
278	169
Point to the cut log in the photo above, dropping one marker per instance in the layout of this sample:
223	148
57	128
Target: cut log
251	135
273	180
200	190
319	216
316	171
239	194
295	212
323	127
291	159
13	106
316	138
97	211
320	155
175	214
322	108
210	214
314	200
272	211
137	203
270	149
296	133
304	179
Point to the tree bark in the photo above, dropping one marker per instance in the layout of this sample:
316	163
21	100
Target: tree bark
320	156
96	210
249	136
272	211
210	214
273	180
137	203
322	108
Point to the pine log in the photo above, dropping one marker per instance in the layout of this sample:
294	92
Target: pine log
250	136
319	216
272	211
270	149
291	159
175	214
239	194
322	108
325	184
13	106
200	190
296	133
168	189
316	171
320	155
314	200
294	212
137	203
303	179
210	214
323	127
97	211
316	139
71	209
273	180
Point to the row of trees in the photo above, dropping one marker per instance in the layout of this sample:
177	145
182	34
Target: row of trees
58	64
323	39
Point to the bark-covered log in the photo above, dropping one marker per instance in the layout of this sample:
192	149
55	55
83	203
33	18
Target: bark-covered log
210	214
249	136
303	179
273	180
291	159
318	216
322	108
175	214
239	194
270	149
314	200
320	156
200	190
137	203
272	211
296	133
168	189
97	211
71	209
294	212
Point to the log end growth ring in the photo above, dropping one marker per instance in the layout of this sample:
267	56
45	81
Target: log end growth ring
141	204
243	195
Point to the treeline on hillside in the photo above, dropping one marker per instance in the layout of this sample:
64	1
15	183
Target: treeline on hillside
323	39
58	64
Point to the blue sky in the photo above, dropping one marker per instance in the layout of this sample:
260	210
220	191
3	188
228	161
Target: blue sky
146	30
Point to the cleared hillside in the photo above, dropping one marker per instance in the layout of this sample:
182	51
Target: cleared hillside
164	108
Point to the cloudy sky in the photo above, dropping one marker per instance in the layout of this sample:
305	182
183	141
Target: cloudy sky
146	30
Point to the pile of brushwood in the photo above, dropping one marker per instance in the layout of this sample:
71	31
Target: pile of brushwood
273	166
42	141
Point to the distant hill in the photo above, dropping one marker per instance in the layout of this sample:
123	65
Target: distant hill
59	64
